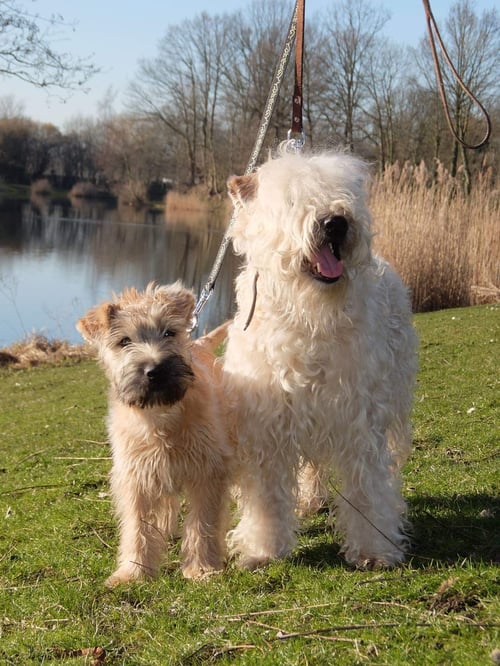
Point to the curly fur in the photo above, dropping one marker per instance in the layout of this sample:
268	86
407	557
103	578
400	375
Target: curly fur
325	372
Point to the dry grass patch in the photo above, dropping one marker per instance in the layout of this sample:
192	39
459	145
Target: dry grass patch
445	244
37	350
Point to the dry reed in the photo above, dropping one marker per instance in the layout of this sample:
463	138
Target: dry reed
84	189
445	244
195	204
131	193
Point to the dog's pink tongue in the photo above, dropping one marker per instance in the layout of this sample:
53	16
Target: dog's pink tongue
329	265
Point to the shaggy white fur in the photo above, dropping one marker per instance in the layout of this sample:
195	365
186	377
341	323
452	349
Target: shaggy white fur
325	371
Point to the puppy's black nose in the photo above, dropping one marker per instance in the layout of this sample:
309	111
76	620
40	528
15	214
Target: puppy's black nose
335	228
154	372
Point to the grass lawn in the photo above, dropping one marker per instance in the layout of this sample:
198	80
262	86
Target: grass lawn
58	539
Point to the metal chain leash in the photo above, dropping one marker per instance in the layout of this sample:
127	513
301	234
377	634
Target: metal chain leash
254	156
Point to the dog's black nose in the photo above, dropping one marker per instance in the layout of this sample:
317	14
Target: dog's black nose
335	228
154	372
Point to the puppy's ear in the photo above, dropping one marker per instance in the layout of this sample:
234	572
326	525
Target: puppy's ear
97	321
184	304
180	301
242	189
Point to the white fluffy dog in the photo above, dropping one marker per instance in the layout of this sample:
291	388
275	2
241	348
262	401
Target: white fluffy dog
323	367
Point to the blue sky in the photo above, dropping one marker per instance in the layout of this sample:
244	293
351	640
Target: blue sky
118	33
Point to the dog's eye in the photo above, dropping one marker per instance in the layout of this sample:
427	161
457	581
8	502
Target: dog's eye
124	342
169	333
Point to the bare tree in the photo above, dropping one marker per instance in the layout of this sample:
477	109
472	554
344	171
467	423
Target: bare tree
130	156
45	139
26	148
26	52
210	41
10	107
256	40
385	82
76	156
181	88
315	84
350	29
15	135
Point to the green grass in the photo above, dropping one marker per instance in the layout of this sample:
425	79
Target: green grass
58	539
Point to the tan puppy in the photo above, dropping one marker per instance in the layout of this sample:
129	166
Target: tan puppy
167	429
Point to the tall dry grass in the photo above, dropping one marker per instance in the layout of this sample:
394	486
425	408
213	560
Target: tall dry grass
195	206
84	190
444	244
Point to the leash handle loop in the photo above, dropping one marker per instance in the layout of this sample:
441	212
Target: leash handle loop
431	30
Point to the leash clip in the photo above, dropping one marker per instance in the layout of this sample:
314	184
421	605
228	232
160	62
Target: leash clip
204	297
294	144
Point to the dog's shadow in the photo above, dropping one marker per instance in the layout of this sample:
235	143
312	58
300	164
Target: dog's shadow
445	529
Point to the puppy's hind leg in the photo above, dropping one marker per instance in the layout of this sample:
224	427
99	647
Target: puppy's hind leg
203	543
313	491
144	528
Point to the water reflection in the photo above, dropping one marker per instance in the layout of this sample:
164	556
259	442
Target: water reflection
57	260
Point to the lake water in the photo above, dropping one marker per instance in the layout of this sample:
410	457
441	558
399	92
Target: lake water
58	260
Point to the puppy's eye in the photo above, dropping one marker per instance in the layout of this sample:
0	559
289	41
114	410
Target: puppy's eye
124	342
169	333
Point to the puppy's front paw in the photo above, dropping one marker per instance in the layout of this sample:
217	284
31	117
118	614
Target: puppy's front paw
125	575
197	571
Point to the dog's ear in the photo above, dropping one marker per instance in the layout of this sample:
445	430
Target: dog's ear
184	304
180	301
96	321
242	189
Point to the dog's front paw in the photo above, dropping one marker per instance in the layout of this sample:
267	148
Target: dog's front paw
373	563
252	562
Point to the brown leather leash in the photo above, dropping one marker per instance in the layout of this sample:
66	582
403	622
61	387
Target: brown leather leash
296	133
433	29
